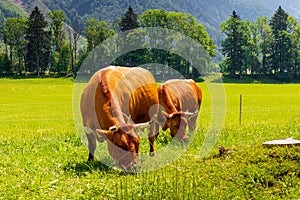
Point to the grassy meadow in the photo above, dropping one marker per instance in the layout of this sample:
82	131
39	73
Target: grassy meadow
42	156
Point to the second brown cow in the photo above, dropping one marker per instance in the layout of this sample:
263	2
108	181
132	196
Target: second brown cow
181	100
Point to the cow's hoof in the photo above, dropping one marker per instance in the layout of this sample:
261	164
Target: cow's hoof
185	140
91	158
152	153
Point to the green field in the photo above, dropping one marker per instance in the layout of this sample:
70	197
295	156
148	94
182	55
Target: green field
42	157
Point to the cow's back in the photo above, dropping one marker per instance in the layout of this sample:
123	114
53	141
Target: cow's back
143	95
87	104
185	94
124	92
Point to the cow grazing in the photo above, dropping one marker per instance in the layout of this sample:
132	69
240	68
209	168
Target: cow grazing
181	99
115	102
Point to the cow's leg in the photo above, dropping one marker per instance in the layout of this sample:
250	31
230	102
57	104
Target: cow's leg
192	122
151	137
151	142
91	142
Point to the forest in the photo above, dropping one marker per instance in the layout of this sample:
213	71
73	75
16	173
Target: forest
41	45
265	47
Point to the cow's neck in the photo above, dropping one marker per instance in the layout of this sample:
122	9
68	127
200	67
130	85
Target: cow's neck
116	112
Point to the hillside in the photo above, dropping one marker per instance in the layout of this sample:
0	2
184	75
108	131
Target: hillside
9	9
208	12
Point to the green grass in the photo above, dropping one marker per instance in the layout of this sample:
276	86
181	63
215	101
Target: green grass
42	157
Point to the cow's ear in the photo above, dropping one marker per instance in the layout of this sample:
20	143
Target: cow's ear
104	133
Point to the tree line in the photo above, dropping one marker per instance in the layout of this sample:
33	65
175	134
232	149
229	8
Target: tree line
262	48
38	46
34	45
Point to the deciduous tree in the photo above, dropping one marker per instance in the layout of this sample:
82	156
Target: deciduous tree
96	32
56	24
13	33
265	41
294	32
185	24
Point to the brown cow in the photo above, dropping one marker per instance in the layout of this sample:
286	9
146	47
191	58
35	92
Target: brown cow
181	99
115	102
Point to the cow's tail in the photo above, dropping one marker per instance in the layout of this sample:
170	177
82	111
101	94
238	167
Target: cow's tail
199	95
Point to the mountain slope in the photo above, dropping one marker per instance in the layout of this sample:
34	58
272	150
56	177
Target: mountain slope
9	9
208	12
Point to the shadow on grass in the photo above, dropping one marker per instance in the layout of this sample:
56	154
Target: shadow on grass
82	168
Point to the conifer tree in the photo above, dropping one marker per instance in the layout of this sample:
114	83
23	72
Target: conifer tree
234	46
38	42
280	52
129	21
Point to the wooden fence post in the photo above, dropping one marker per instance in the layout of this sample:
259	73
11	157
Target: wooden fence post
241	99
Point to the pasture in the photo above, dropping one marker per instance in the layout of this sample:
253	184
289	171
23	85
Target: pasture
42	157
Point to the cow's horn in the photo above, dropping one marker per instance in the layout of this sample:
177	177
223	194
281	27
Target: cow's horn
191	114
167	115
128	118
142	125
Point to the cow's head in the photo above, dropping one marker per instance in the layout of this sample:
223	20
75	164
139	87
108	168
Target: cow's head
177	123
123	144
